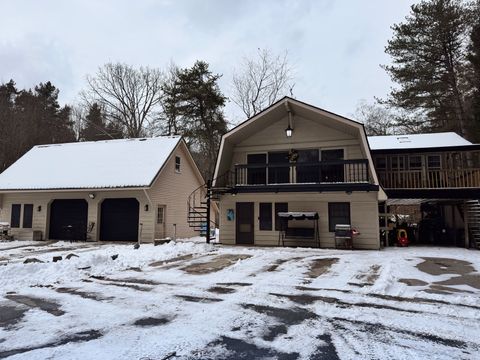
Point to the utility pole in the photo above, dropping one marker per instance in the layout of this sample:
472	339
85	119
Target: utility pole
208	196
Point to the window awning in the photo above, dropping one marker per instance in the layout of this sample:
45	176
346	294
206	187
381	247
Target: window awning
299	215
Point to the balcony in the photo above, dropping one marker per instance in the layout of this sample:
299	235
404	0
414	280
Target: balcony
430	179
338	175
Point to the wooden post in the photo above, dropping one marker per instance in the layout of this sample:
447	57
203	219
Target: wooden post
209	192
465	222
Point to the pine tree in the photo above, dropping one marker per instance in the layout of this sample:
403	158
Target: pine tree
429	65
96	127
197	103
474	58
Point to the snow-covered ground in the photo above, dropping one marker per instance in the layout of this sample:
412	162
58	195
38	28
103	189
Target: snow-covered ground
190	300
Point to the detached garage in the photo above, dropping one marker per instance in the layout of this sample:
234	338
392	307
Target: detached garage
114	190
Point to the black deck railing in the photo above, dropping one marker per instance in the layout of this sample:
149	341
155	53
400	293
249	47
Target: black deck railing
322	172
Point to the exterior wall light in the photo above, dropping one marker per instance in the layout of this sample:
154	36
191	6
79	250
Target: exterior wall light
91	196
39	208
146	207
289	131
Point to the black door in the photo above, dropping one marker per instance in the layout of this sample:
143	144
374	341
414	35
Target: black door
68	219
119	220
244	224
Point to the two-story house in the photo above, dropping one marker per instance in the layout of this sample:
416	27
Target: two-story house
294	158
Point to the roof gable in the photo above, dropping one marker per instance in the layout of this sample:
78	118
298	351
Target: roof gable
125	163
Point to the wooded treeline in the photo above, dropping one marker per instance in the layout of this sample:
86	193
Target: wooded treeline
122	101
435	66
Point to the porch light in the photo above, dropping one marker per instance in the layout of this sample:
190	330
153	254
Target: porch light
146	207
289	131
39	208
91	196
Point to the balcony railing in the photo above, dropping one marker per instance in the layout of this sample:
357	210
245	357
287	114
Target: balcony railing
430	179
323	172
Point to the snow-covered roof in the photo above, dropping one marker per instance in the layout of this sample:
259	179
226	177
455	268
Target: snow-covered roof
417	141
89	165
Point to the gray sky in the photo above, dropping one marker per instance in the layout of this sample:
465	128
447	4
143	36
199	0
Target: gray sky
336	47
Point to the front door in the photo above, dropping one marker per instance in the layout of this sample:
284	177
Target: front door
244	224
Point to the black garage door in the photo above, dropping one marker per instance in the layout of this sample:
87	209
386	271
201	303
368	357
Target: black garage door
68	219
119	220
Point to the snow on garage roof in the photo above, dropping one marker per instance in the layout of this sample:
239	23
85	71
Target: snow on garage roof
417	141
89	165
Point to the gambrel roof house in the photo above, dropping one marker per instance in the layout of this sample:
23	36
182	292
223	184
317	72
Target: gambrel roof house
129	189
288	162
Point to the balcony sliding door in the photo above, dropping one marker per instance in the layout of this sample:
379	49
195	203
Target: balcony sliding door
308	170
279	168
257	175
332	172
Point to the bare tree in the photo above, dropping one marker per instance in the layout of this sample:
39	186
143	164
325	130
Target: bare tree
378	120
261	81
129	96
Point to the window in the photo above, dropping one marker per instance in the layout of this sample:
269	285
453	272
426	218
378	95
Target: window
265	216
338	213
280	172
257	173
160	214
381	163
398	163
332	172
434	161
15	220
177	164
280	207
308	173
415	162
27	216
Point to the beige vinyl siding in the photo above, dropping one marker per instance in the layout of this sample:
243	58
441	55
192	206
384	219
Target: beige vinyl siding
363	212
172	189
41	219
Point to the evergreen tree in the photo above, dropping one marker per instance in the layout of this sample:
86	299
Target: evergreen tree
195	100
96	127
429	65
474	58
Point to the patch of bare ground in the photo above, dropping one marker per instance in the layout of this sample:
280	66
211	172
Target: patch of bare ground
413	282
221	290
367	278
10	315
379	330
119	283
33	302
198	299
218	263
305	299
416	300
81	336
279	262
286	318
83	294
472	280
152	321
441	266
169	261
128	280
319	267
234	284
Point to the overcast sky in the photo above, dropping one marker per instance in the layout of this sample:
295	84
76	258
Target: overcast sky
336	47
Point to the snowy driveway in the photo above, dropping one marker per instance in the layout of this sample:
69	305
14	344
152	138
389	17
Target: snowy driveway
188	300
